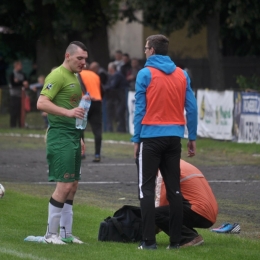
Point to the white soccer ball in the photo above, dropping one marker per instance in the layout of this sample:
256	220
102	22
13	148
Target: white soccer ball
2	191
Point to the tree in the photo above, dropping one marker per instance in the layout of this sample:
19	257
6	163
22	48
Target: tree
225	20
43	28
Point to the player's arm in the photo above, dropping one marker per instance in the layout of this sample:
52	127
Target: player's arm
46	105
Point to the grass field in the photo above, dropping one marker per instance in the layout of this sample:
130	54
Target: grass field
21	214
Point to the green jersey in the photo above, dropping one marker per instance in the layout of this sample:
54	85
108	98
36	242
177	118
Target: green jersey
62	87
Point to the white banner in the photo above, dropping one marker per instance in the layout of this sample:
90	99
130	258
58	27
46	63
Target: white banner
215	114
131	109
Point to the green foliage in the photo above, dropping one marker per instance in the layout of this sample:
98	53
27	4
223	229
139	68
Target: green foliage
29	20
248	83
240	27
239	30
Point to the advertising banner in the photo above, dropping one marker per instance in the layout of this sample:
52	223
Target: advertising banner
215	114
131	110
248	123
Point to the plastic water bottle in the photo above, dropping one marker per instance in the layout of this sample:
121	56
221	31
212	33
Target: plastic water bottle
84	103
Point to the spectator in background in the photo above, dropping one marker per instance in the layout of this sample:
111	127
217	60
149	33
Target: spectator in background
118	60
135	67
126	70
101	72
126	67
37	87
35	90
17	81
93	86
103	75
115	99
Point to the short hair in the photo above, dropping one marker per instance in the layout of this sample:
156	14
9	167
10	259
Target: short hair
73	46
126	55
159	43
119	52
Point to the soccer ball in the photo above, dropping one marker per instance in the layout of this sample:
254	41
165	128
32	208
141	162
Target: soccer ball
2	191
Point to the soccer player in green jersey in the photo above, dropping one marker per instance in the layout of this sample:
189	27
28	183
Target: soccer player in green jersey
60	98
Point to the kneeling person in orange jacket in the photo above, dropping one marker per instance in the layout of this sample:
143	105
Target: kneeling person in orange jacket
200	207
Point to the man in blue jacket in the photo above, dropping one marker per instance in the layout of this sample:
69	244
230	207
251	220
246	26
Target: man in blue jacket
162	93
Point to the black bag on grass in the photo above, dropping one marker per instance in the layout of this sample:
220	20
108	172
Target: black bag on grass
125	226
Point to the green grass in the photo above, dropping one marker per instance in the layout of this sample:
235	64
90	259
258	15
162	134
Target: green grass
22	215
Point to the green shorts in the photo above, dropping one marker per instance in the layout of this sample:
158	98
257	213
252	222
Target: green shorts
64	154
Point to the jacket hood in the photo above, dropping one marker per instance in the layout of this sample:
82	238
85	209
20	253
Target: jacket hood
161	62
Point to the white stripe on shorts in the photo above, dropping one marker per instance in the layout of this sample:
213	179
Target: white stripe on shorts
140	172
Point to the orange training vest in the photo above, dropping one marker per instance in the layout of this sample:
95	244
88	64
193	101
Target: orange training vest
165	98
92	83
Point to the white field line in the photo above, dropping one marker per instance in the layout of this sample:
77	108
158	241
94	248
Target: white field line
20	254
233	181
88	182
134	182
86	139
110	164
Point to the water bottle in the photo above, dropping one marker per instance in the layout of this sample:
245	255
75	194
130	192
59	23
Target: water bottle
84	103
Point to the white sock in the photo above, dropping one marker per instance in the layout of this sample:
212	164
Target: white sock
66	220
54	215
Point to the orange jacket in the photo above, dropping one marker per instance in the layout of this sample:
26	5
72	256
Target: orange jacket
195	189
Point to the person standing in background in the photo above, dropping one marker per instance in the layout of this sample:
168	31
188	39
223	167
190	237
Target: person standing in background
162	93
17	81
126	67
93	86
126	70
119	62
103	75
115	99
101	72
131	78
60	98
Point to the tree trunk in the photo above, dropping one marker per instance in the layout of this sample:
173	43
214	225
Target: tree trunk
98	46
45	46
214	53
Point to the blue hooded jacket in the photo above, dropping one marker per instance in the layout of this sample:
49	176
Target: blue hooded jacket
165	64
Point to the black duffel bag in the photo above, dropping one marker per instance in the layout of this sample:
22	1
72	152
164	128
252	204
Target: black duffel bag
125	226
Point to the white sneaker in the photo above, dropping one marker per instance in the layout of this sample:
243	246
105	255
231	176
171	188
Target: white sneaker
53	239
72	239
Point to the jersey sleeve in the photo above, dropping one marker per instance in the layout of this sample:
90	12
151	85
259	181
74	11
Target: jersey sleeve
52	85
